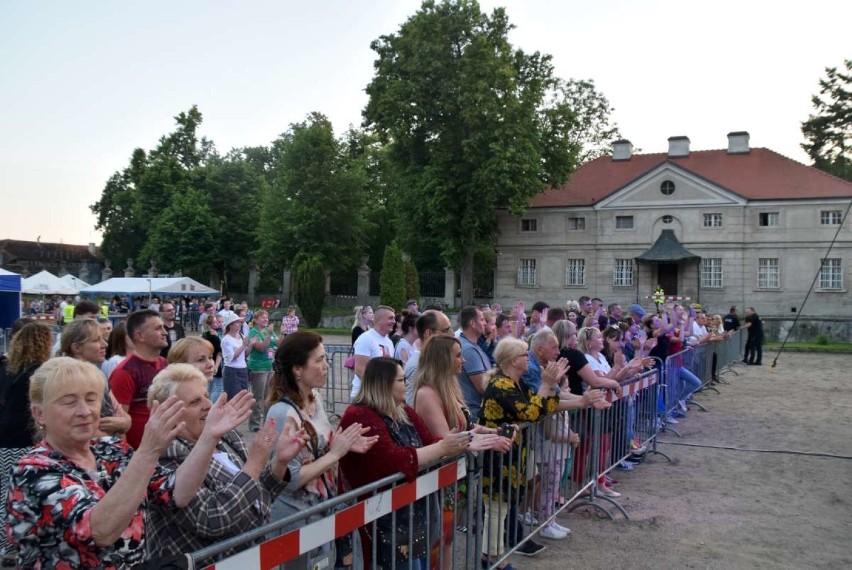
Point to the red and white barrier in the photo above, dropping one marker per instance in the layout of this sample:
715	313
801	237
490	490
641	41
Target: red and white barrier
302	540
634	387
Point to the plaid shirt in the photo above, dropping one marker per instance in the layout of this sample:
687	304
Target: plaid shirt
226	505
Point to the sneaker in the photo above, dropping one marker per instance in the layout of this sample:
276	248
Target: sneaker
636	447
682	405
625	466
609	481
671	420
528	519
553	533
678	414
635	458
530	548
564	529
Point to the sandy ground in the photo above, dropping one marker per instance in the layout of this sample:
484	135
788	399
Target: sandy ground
720	508
716	508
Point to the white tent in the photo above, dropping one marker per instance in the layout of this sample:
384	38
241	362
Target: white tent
75	282
46	283
178	286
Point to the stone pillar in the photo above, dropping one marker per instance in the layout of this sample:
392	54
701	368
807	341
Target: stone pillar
253	282
363	282
327	282
129	271
286	292
106	272
449	287
152	271
84	272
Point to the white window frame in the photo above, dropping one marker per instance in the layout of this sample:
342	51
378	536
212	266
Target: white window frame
712	220
527	272
772	219
575	273
579	221
712	276
622	273
530	221
830	217
625	218
831	274
768	273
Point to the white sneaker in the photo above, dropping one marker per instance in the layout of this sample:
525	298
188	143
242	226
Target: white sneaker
553	533
559	527
528	519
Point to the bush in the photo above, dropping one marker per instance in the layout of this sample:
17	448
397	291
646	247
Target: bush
310	290
822	339
392	278
412	282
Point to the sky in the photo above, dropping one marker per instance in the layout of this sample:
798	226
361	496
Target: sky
84	83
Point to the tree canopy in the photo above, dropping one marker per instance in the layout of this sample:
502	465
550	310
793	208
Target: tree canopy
828	131
471	123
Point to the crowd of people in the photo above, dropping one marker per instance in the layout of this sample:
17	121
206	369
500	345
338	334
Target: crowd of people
119	445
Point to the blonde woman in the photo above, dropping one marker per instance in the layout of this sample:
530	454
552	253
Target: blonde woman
363	321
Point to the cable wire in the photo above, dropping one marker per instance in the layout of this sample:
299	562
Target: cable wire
755	450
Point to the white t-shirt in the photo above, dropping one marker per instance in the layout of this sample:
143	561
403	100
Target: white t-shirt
697	333
600	364
407	347
229	346
372	345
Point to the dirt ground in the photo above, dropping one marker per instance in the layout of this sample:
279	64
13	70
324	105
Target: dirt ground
717	508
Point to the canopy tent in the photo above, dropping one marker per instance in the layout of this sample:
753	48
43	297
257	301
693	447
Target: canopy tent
75	282
10	298
46	283
178	286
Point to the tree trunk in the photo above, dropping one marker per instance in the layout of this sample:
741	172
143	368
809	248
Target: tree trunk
467	278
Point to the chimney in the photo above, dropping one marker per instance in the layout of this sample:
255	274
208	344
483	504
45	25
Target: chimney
678	147
622	149
738	143
92	249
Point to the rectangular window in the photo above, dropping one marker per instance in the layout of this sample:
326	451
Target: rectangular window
624	222
768	219
768	273
622	275
831	274
526	272
575	273
830	217
711	272
713	220
529	225
576	224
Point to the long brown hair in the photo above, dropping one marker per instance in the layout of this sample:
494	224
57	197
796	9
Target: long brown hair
435	369
30	345
293	351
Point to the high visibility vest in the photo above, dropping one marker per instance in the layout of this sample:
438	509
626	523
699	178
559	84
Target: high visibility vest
68	313
104	311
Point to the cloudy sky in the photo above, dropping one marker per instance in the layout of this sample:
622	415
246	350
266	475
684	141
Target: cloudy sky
84	83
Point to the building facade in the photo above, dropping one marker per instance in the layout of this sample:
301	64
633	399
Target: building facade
737	226
29	257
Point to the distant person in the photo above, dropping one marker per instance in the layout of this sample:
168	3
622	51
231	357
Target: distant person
174	329
731	322
374	343
754	342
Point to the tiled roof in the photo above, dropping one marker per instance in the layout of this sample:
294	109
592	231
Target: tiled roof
36	251
760	174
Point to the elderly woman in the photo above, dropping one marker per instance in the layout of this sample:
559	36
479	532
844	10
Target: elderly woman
28	349
60	514
239	485
404	445
83	339
300	369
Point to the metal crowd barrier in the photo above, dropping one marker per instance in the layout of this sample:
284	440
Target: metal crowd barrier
336	394
729	352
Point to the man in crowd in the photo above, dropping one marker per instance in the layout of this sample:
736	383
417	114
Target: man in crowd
174	329
226	309
612	316
209	309
538	317
637	313
731	322
476	362
754	341
429	324
372	344
131	379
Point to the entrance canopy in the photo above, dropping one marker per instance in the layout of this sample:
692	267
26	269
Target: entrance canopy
667	249
46	283
177	286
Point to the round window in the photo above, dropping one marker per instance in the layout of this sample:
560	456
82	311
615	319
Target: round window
667	219
667	188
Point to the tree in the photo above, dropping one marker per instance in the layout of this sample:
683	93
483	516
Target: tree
829	131
310	289
314	206
592	130
392	278
470	123
412	281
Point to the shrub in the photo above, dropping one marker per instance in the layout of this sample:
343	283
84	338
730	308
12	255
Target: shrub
822	339
412	282
310	290
392	278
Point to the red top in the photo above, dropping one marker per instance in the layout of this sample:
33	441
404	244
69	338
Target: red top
129	382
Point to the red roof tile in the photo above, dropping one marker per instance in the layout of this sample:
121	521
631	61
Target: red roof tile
761	174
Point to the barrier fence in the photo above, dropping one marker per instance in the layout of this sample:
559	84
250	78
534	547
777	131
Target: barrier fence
480	508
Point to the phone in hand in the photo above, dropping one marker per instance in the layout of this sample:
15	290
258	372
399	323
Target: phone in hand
507	430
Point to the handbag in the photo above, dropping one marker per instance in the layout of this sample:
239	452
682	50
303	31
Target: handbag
349	363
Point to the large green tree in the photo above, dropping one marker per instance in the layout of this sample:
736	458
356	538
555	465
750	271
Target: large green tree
828	131
593	131
470	122
314	206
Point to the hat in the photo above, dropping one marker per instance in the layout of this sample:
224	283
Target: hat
230	319
636	310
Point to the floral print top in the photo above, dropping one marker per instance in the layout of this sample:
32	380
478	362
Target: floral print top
50	503
508	402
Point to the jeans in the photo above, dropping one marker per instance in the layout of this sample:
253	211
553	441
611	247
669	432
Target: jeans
234	380
689	383
214	388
